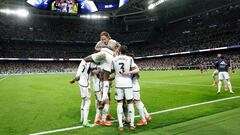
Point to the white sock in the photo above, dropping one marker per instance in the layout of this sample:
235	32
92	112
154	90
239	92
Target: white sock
131	113
105	111
229	85
86	110
139	106
81	111
105	90
108	113
145	110
120	113
219	86
98	112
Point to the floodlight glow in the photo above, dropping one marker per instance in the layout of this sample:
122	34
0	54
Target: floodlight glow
94	16
151	6
19	12
22	12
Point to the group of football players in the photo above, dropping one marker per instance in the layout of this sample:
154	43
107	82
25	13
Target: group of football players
111	61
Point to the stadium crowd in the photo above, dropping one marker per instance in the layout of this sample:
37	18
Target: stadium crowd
25	67
189	61
62	38
213	29
73	39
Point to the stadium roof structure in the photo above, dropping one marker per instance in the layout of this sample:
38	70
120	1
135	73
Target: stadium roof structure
137	10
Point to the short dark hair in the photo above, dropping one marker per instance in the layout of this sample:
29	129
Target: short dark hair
123	49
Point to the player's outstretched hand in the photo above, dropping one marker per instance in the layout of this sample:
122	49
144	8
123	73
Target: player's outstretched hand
126	73
72	81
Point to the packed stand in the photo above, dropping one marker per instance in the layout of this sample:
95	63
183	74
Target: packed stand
189	61
213	29
25	67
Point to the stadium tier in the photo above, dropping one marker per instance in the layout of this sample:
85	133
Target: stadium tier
111	67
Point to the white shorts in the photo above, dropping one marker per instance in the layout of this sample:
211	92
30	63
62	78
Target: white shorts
124	92
85	91
104	57
136	90
136	86
136	95
223	75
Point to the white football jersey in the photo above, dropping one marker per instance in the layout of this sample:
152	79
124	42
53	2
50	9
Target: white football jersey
121	64
84	72
112	44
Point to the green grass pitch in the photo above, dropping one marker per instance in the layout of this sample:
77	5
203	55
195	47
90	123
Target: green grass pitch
36	103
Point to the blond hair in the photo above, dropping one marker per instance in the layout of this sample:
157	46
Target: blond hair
104	33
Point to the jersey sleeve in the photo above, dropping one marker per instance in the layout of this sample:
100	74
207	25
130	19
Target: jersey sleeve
79	70
98	45
132	63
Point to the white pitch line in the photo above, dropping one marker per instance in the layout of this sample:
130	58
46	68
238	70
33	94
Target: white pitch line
158	112
186	84
4	78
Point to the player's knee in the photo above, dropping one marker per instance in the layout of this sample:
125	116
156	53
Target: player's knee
86	99
130	101
83	98
107	101
136	101
120	101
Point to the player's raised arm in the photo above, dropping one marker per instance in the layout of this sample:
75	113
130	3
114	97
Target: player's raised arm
98	47
79	71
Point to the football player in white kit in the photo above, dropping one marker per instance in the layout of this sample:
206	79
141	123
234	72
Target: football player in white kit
98	94
97	85
107	48
82	76
124	68
144	115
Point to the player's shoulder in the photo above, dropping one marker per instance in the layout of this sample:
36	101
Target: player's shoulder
121	57
113	41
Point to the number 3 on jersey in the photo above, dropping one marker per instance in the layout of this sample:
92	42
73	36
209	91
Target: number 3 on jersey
121	68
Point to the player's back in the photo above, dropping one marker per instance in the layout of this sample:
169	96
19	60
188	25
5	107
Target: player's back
121	64
83	72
